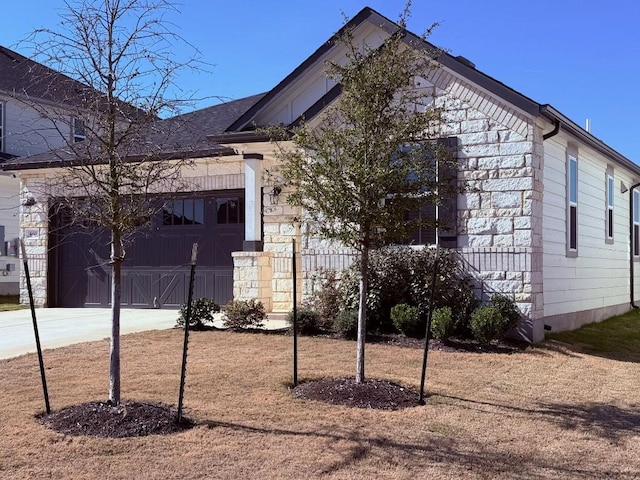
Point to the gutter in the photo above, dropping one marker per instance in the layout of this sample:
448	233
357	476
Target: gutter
631	260
550	113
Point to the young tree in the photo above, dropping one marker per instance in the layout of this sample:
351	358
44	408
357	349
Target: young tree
371	160
115	159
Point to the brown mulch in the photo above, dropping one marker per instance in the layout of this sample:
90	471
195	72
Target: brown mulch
129	419
372	393
451	345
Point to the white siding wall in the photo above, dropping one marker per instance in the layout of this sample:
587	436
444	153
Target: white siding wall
599	276
27	132
9	206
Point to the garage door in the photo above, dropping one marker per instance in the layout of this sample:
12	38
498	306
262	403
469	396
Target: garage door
156	268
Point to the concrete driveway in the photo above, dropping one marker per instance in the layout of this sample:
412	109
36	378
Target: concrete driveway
66	326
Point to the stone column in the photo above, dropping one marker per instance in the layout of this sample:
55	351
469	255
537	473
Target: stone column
252	276
253	202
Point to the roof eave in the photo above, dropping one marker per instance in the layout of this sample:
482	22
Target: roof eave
218	151
568	125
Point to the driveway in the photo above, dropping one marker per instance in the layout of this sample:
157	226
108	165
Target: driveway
66	326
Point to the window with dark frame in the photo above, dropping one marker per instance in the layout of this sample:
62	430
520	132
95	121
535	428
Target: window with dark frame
1	127
610	193
230	210
79	131
636	223
446	213
183	212
573	204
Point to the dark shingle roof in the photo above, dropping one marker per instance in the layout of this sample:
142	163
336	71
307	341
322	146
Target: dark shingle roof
21	76
177	137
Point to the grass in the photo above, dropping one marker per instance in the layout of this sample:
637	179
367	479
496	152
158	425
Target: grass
11	302
545	413
616	338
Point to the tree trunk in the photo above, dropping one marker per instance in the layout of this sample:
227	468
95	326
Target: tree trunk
116	288
362	314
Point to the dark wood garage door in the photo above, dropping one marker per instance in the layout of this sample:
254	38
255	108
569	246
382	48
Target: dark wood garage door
156	266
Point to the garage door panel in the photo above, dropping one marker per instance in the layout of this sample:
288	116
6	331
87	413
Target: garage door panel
139	288
172	288
97	286
156	267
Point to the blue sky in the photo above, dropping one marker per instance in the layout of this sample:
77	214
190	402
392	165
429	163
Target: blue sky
581	57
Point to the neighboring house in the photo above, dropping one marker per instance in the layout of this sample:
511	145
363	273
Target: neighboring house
27	90
551	217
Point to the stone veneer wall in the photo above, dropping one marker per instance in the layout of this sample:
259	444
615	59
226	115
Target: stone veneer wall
500	216
279	231
34	230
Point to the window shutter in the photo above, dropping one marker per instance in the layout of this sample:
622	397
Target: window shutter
448	208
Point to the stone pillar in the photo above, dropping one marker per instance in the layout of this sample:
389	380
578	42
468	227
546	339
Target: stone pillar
252	276
252	202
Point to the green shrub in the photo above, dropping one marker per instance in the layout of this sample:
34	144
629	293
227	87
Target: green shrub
202	311
244	314
403	274
487	323
507	309
308	321
406	318
442	323
326	300
346	324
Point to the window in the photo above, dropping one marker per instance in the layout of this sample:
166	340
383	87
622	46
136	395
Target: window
181	212
609	210
230	210
78	130
445	214
636	223
1	127
572	203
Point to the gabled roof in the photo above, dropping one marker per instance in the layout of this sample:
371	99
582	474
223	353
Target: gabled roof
367	14
181	136
234	120
21	76
458	65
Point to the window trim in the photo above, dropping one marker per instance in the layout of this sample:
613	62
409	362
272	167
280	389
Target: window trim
75	136
182	226
572	201
636	225
2	127
609	206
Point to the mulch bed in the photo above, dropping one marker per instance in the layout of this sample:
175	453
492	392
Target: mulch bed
372	393
451	345
129	419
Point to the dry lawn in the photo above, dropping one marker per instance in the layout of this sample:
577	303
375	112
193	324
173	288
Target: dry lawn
544	413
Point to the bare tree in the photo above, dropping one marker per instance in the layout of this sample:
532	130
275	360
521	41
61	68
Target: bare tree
117	152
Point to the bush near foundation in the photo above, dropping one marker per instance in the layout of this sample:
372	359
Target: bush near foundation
494	321
346	324
308	323
202	311
241	314
442	323
326	300
402	274
407	319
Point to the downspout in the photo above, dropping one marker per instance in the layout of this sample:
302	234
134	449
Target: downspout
547	136
631	252
552	133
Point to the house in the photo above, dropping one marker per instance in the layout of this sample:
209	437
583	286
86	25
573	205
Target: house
27	90
551	218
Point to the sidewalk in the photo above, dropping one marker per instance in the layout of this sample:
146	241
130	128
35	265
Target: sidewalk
65	326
